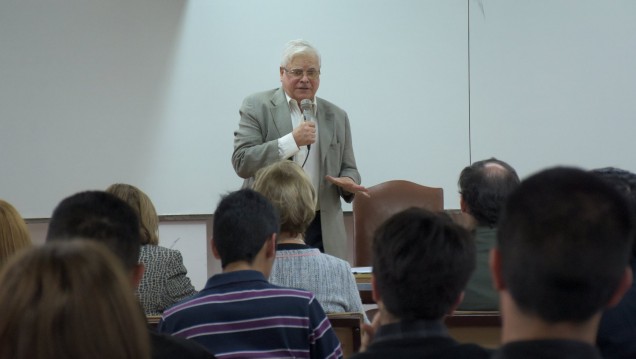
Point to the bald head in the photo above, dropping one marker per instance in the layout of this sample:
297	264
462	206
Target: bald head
485	186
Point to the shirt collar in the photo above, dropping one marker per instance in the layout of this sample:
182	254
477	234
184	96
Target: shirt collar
291	102
234	277
291	246
412	329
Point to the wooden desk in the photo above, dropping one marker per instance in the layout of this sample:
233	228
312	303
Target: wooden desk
153	320
483	328
363	280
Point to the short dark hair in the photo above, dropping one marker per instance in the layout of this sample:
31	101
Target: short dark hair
243	221
484	189
99	216
625	182
564	237
421	263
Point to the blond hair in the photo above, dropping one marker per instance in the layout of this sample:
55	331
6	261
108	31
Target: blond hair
141	203
287	186
70	299
14	234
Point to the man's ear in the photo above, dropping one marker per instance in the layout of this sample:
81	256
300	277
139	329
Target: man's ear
136	274
494	263
623	286
215	252
458	301
462	204
375	293
271	246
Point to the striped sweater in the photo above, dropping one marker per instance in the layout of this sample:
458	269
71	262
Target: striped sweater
241	315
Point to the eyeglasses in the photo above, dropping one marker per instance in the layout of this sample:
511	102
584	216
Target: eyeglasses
298	73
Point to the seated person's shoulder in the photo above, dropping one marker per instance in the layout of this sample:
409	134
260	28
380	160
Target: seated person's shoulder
337	262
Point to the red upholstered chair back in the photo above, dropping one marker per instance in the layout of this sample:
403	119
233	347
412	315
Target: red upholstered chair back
386	199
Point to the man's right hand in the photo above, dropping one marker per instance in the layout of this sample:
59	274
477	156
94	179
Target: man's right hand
305	133
369	330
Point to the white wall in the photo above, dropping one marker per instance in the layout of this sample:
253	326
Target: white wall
554	82
147	91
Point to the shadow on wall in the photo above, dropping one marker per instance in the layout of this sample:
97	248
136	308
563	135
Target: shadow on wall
83	85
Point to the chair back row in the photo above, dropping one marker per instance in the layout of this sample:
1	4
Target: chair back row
387	199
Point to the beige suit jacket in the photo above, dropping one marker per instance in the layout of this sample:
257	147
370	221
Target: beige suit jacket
265	117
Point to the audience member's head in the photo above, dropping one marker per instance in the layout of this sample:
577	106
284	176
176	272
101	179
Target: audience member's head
286	185
564	241
421	264
69	300
14	234
243	222
142	205
624	181
102	217
484	187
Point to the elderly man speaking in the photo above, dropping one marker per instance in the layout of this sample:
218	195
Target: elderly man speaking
292	123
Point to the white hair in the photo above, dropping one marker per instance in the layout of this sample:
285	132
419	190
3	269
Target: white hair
298	47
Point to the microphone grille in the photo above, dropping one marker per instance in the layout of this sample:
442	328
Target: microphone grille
306	104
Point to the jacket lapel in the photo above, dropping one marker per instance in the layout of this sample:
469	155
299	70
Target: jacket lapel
326	130
280	113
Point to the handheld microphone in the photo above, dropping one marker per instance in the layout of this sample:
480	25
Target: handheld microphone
305	106
308	114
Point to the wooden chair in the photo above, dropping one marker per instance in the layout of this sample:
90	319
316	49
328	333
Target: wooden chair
153	320
347	328
386	199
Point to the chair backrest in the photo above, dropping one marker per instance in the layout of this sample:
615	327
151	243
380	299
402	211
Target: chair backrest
347	329
385	200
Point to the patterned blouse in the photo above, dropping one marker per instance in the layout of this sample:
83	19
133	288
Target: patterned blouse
165	281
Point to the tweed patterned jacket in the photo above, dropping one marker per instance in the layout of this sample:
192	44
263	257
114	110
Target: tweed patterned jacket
328	277
165	281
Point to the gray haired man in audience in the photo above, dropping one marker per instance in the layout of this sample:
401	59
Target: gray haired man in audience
484	187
